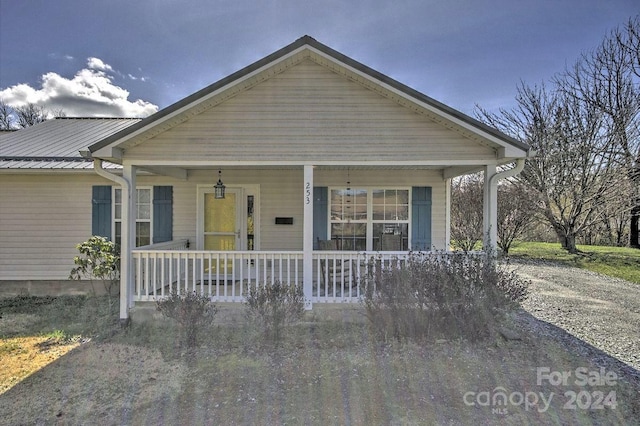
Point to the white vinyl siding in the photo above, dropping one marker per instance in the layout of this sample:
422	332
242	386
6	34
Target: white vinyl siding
42	218
309	113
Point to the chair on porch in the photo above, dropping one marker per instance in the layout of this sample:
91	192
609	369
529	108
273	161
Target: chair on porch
330	268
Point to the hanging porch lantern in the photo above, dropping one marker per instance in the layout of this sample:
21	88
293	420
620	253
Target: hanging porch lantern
219	187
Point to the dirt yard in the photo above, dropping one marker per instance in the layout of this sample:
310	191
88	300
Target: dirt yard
333	372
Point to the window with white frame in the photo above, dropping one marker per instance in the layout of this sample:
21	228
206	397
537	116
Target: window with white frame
370	219
144	203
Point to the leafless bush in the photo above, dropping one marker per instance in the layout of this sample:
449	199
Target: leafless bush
193	313
441	296
274	305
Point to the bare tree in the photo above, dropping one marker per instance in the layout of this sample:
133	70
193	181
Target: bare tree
516	213
613	226
466	212
573	171
629	39
607	79
12	118
6	120
30	114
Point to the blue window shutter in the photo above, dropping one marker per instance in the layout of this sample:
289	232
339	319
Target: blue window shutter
320	207
421	218
101	211
162	214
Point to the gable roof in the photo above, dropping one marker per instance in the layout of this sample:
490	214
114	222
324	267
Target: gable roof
363	74
56	144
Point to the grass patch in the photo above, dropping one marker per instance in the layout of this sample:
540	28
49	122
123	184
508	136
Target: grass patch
619	262
89	317
35	331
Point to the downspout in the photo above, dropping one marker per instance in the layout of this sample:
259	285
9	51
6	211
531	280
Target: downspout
491	236
124	269
97	166
508	173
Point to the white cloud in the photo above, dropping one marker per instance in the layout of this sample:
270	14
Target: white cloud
98	64
90	93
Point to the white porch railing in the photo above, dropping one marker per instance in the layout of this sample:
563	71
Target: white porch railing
227	276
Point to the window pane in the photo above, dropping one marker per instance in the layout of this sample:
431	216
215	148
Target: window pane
337	208
403	212
403	197
336	196
143	234
118	211
144	211
390	196
359	201
250	223
118	232
395	235
350	236
360	212
117	195
144	196
390	212
361	196
378	211
336	211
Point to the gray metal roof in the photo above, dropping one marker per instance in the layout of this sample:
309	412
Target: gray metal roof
55	144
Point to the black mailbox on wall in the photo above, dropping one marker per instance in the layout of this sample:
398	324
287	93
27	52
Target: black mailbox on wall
284	221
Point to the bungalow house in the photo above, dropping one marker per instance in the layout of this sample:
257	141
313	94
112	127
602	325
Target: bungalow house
295	168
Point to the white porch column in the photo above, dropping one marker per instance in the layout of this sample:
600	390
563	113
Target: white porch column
490	208
307	244
447	215
128	239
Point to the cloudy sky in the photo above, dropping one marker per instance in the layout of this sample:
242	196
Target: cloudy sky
129	58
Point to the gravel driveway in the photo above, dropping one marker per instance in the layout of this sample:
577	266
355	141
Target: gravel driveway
598	310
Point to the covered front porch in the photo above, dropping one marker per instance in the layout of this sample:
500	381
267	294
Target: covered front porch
329	229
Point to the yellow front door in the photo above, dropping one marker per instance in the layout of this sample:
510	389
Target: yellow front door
221	229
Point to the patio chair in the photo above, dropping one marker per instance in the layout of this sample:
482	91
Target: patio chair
343	271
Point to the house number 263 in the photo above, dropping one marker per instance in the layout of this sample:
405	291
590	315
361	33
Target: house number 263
307	193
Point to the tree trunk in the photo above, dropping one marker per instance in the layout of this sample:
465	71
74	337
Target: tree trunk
634	234
567	238
568	242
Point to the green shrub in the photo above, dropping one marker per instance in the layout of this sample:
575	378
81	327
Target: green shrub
193	313
275	305
99	259
445	295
